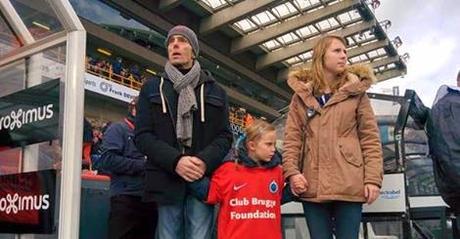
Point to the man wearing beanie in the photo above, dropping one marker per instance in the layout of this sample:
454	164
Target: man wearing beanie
182	126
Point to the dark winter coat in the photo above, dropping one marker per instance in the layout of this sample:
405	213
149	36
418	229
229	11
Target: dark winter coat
156	134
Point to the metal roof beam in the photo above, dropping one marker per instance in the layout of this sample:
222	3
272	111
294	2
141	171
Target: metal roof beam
282	74
166	5
232	14
263	35
386	75
358	50
296	49
250	104
153	20
385	61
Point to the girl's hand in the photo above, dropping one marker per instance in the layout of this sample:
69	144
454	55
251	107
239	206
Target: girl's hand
371	192
298	183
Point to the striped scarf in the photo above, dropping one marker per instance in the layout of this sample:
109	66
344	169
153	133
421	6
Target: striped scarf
184	86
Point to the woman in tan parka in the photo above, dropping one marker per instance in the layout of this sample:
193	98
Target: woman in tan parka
341	165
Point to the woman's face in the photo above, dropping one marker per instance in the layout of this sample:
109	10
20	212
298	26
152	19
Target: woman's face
335	58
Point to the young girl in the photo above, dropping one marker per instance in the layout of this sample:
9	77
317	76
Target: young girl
248	187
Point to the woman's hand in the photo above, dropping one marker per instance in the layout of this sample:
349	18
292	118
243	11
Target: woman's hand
371	192
298	184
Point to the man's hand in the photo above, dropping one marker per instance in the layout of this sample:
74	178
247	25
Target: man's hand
371	192
189	169
298	184
200	163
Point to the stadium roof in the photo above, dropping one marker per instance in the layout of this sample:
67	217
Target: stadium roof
255	42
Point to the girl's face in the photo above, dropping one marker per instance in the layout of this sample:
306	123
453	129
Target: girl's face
263	149
335	58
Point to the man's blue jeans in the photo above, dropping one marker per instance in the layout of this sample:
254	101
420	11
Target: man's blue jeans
339	218
191	219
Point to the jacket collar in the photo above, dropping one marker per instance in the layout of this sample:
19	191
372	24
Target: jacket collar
303	86
205	77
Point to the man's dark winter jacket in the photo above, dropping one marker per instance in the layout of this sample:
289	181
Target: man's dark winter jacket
122	160
444	140
156	134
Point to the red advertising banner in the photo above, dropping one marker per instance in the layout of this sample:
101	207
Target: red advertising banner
27	202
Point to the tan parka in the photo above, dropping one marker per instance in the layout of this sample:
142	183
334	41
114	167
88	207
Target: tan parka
342	144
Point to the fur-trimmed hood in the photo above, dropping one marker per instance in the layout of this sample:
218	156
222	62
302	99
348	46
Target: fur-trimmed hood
301	81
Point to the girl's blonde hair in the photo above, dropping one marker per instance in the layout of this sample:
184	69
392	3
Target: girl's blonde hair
317	66
257	128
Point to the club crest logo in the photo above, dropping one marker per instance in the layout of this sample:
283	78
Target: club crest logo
273	187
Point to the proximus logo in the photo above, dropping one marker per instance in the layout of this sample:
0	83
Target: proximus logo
15	203
20	117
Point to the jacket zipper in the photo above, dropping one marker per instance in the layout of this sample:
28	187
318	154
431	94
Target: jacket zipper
181	148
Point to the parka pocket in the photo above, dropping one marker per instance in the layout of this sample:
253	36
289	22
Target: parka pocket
159	109
214	101
349	156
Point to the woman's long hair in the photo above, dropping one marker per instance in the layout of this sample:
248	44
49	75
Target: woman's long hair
317	66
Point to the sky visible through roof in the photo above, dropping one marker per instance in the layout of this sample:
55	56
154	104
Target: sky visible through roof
430	31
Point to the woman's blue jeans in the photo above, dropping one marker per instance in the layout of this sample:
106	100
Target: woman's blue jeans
337	217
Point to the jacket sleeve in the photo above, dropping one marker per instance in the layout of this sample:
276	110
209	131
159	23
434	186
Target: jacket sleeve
214	153
199	188
292	139
369	139
158	151
113	159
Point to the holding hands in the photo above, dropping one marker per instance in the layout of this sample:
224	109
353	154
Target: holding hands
298	183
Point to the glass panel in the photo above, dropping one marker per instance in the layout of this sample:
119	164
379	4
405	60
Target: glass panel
272	44
30	109
8	40
263	18
117	22
214	4
12	77
38	16
307	31
9	158
288	38
284	10
245	25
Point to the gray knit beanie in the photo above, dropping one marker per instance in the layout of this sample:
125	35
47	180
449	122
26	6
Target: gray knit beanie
187	33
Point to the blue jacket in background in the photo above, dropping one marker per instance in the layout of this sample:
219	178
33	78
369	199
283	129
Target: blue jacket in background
122	160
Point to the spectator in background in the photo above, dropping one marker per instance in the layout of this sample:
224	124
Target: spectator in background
87	143
443	129
129	216
183	128
117	65
96	141
135	72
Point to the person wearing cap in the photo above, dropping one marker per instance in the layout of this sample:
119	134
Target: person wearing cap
129	217
183	127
